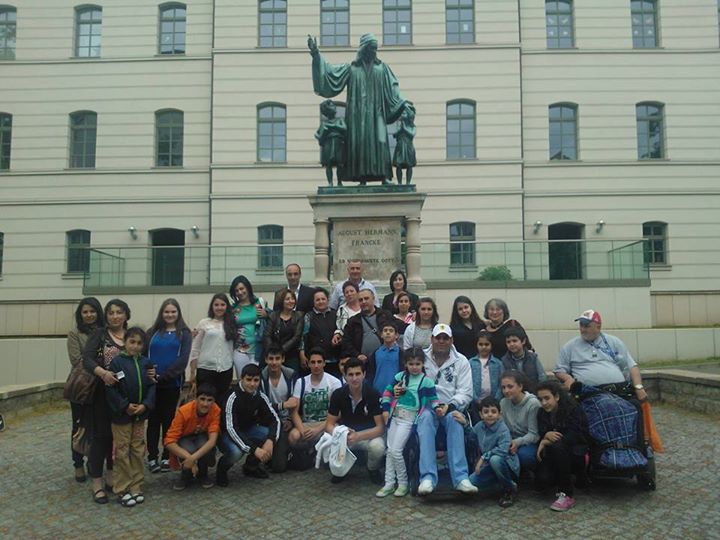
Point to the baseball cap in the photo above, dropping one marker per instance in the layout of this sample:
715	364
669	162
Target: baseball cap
441	329
589	316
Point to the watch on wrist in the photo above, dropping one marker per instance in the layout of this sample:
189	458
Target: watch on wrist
639	387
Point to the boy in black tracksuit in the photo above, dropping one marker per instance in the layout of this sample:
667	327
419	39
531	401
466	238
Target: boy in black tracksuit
130	400
250	426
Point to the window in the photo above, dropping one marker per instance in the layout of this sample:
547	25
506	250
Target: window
8	29
462	244
397	22
655	248
650	131
460	21
273	23
78	251
169	138
644	23
88	27
335	22
172	29
271	132
83	133
559	24
461	130
563	131
5	137
270	247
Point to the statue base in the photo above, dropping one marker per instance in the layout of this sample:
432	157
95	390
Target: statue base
366	189
365	223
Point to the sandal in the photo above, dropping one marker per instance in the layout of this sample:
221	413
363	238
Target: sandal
139	498
102	499
127	500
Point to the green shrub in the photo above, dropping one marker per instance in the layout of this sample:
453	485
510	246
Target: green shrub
496	273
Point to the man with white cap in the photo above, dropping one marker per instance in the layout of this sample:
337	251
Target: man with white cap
452	375
598	359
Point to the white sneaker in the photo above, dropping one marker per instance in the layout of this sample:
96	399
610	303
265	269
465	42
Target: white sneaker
426	487
466	487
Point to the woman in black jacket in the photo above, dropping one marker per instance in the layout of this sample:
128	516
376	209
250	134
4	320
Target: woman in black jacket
285	327
102	346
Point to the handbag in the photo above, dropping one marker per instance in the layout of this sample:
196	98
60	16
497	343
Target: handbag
80	385
81	440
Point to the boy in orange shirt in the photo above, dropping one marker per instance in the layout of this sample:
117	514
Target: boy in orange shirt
192	437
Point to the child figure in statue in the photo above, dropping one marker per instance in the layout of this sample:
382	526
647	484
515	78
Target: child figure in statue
331	136
404	156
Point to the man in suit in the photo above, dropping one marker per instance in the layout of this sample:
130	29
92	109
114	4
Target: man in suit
303	293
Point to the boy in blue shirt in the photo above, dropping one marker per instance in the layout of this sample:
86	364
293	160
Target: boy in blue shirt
385	362
497	467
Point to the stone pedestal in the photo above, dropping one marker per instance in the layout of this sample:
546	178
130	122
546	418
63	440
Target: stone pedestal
365	223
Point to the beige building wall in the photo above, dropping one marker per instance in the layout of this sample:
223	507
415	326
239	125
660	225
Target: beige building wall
224	75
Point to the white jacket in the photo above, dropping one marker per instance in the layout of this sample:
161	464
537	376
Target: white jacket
453	381
333	449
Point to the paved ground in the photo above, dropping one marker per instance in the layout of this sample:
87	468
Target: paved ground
40	499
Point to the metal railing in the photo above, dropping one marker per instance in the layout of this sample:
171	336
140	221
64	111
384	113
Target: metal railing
176	266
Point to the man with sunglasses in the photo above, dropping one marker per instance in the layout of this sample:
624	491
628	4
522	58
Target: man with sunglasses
451	373
598	359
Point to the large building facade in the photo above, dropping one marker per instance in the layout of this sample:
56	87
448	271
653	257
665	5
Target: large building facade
554	138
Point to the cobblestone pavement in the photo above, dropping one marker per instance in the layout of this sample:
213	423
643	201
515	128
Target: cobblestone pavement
40	499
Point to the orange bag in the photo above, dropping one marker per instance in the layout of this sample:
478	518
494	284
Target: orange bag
651	433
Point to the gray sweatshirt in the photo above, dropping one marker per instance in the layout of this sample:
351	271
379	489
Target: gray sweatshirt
521	419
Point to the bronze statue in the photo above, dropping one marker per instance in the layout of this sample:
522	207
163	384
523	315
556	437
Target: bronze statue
373	101
331	137
404	156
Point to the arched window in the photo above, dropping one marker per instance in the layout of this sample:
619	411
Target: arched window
270	247
650	118
88	31
272	23
562	120
5	140
83	135
8	31
461	129
459	21
462	243
272	129
559	24
644	17
171	34
77	243
169	131
335	23
397	22
655	248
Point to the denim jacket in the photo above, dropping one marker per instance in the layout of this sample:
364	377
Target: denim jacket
496	369
495	440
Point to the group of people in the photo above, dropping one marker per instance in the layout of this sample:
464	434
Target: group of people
322	373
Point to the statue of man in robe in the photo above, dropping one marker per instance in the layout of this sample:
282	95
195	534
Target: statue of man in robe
373	102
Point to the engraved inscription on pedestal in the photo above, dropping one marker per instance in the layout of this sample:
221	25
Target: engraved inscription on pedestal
375	242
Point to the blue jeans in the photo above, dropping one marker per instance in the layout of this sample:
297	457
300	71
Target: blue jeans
495	474
527	456
427	426
232	452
